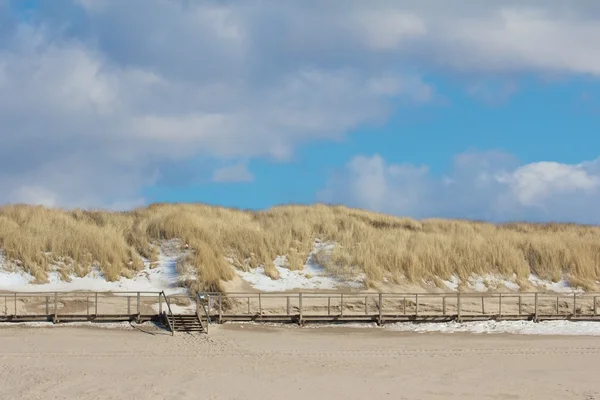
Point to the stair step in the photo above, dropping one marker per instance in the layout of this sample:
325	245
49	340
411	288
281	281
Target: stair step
185	323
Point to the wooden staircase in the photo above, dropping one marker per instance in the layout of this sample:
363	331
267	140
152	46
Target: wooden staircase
185	323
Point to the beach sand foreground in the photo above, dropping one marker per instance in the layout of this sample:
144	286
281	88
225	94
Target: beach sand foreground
256	362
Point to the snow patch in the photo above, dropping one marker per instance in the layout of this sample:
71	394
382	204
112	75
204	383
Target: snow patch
561	286
483	283
104	325
312	276
511	327
545	328
152	278
453	283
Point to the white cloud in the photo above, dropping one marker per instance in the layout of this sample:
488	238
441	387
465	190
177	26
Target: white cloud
96	97
482	186
233	173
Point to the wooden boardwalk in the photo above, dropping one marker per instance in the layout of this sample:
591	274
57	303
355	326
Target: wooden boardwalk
195	313
395	307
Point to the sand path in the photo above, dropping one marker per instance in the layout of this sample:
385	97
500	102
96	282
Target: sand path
292	363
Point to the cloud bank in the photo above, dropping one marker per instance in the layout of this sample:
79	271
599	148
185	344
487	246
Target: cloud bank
487	186
98	97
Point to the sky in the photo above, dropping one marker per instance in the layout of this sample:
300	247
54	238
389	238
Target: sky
473	109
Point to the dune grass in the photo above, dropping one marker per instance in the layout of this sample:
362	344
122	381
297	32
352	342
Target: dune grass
38	239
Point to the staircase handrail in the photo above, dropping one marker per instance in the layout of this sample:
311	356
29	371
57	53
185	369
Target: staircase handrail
205	307
170	312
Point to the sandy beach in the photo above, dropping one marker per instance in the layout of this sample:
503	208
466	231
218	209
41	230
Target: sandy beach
257	362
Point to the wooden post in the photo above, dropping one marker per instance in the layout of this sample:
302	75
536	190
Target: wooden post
220	308
557	305
444	305
404	305
458	312
416	304
47	306
288	305
366	305
520	302
96	303
160	304
535	309
300	308
55	305
128	305
138	303
574	303
342	305
500	305
259	305
482	305
248	305
87	306
328	305
380	308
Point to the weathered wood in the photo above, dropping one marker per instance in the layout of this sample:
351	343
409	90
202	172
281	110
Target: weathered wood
500	305
300	308
220	308
259	304
444	305
396	311
416	304
380	305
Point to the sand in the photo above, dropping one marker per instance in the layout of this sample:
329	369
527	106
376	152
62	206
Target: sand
256	362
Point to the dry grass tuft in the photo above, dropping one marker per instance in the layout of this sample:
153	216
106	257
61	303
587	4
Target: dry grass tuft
378	245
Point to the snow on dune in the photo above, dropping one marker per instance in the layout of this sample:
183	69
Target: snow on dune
486	282
163	276
312	276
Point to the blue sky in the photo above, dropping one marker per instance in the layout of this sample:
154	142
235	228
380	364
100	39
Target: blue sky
491	112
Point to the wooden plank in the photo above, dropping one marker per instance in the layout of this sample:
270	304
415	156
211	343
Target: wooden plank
380	305
500	305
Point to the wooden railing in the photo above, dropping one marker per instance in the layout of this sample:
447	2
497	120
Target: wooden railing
169	314
299	307
381	307
204	302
